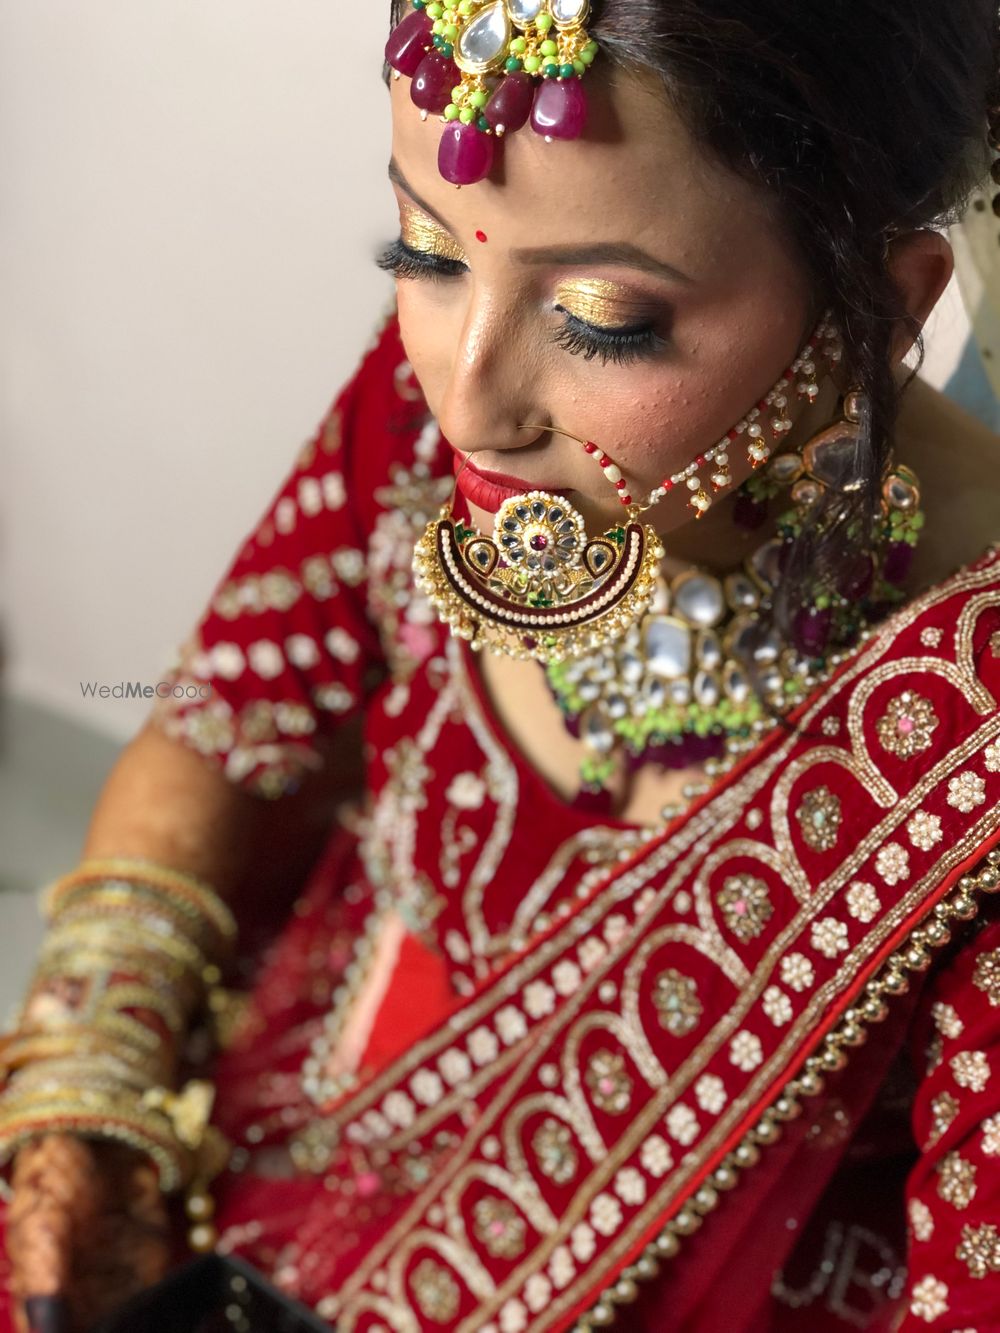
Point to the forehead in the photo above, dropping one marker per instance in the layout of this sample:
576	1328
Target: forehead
636	174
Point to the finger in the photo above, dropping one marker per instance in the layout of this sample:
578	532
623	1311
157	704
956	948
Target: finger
47	1314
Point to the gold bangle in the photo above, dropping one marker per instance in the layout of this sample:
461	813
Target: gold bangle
201	896
113	898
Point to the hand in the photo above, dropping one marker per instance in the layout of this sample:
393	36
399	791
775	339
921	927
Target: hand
86	1229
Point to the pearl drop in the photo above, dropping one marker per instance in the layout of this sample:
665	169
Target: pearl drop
694	484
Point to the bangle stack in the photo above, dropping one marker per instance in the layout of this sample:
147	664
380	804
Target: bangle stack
131	958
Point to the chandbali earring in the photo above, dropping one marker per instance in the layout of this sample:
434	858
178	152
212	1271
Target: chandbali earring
539	587
770	415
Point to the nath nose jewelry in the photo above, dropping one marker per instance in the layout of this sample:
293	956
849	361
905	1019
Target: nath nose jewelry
539	587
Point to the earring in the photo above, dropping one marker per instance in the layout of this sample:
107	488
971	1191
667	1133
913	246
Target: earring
539	587
773	407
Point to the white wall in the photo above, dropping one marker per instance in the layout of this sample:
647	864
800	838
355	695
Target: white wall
190	195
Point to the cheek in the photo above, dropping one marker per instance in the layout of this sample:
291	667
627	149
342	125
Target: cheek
424	328
665	416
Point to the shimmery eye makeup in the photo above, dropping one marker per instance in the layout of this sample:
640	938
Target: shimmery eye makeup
419	232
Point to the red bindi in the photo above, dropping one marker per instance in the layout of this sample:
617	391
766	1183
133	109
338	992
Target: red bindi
481	236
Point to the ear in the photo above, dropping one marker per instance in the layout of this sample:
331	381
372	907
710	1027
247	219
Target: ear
921	264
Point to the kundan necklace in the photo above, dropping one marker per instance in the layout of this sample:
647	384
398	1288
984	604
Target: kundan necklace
704	673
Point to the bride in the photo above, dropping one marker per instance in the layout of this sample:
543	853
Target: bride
622	656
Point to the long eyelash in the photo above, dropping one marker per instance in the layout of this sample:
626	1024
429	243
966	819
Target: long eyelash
622	346
402	262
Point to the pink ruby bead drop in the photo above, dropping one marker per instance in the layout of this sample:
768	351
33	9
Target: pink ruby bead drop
510	106
432	83
408	43
560	109
465	155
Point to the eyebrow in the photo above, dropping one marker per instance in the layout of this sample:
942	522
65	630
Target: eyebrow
601	252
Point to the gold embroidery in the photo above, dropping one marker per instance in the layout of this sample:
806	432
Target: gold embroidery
966	791
929	1299
971	1070
907	726
500	1227
553	1146
979	1249
609	1084
436	1291
746	905
675	997
957	1180
944	1109
819	817
986	976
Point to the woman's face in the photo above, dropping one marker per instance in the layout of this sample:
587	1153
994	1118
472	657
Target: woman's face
622	287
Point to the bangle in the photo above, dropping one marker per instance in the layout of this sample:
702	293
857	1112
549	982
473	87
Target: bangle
187	892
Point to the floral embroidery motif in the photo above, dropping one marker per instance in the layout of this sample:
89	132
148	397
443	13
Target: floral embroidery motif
893	863
921	1220
946	1020
583	1242
553	1146
829	937
466	791
656	1157
957	1183
777	1006
991	1136
426	1087
682	1124
931	636
539	999
675	998
907	726
436	1291
930	1299
609	1084
513	1317
500	1227
605	1214
537	1292
924	831
986	976
944	1109
746	905
745	1051
483	1045
966	791
980	1249
863	902
797	972
630	1186
819	818
992	757
710	1093
971	1070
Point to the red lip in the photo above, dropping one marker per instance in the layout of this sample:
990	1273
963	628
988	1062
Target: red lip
488	490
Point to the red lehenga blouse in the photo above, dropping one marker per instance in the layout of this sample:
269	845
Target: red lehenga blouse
507	1068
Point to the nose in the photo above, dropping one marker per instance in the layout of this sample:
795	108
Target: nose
490	388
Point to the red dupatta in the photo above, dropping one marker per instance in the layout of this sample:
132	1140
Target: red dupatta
577	1116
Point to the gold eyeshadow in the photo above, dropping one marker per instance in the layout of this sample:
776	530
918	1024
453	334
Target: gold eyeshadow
421	232
601	303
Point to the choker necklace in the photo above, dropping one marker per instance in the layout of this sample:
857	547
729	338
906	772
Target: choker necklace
704	673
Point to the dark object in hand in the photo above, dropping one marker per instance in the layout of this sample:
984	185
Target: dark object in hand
214	1295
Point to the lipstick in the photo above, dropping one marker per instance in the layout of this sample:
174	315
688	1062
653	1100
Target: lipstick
488	490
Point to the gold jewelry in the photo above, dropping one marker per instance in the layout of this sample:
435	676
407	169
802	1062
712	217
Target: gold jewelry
539	588
129	959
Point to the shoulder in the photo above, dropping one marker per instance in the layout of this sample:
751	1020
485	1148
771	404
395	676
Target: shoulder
957	460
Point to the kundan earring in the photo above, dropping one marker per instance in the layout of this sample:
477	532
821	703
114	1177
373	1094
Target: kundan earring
769	415
539	587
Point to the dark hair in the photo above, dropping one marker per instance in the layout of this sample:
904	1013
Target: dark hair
863	118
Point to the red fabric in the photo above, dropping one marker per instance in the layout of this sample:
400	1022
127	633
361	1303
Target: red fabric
313	623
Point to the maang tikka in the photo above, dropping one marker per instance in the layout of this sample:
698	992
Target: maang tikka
487	67
539	587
